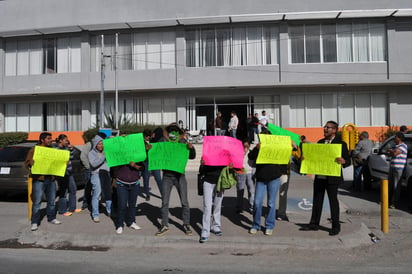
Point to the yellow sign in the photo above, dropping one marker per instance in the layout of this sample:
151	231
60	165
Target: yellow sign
320	159
274	149
50	161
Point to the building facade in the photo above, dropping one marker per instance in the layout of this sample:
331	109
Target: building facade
303	62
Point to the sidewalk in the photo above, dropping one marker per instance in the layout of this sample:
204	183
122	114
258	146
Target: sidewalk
79	230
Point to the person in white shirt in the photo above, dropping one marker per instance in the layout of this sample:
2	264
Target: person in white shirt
234	122
263	121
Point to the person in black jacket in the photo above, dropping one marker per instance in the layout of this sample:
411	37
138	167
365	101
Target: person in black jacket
328	183
267	181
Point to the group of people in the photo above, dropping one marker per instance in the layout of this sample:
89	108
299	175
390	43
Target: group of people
260	181
254	125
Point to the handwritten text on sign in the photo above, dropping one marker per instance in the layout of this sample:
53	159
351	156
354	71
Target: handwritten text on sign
274	149
50	161
169	156
222	150
122	150
320	159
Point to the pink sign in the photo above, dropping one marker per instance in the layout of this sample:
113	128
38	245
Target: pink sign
222	150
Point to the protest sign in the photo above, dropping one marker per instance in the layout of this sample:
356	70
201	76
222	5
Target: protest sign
50	161
122	150
169	156
222	150
320	159
275	130
274	149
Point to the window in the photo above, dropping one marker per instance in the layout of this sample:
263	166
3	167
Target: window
236	46
342	43
63	116
23	117
314	110
137	51
36	56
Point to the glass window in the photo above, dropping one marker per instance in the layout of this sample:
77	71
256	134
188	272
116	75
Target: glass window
11	58
208	47
223	47
344	46
329	43
297	44
360	42
312	42
49	55
239	46
23	57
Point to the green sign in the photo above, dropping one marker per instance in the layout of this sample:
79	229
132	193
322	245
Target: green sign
169	156
122	150
275	130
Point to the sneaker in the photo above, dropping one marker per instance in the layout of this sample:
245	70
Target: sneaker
135	226
119	230
392	206
55	222
147	198
187	230
67	214
253	231
96	219
162	231
268	232
34	227
203	239
218	233
77	210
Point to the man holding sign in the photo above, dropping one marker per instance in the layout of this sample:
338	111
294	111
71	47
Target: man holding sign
173	175
42	183
328	183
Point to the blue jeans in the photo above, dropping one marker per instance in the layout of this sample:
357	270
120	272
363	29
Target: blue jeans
96	191
48	186
271	188
357	177
67	185
126	203
146	178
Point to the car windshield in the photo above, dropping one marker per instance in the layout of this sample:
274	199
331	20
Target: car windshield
13	154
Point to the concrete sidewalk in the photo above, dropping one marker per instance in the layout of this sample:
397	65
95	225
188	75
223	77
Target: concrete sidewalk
79	230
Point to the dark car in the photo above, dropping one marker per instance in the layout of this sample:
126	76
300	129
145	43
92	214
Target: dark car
379	161
13	173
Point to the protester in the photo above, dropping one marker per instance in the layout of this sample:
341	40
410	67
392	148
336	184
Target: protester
172	133
42	184
97	162
66	183
267	183
359	155
328	183
253	123
211	199
398	161
233	124
127	186
147	135
244	179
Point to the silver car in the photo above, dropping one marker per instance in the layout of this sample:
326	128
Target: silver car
13	173
379	161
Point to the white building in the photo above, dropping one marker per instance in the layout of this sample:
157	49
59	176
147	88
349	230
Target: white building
304	62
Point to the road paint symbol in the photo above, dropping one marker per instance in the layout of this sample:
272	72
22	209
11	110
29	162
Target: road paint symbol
305	204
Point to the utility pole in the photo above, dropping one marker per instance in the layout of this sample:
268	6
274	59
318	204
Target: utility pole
116	115
102	76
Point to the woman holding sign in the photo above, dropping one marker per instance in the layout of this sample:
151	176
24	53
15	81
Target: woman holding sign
267	181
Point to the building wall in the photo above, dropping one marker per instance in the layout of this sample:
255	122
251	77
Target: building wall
49	17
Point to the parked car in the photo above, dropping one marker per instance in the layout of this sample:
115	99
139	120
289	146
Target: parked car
13	173
379	161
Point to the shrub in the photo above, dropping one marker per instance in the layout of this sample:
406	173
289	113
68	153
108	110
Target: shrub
385	133
12	138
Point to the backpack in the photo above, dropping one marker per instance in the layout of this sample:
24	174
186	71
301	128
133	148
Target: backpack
226	179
